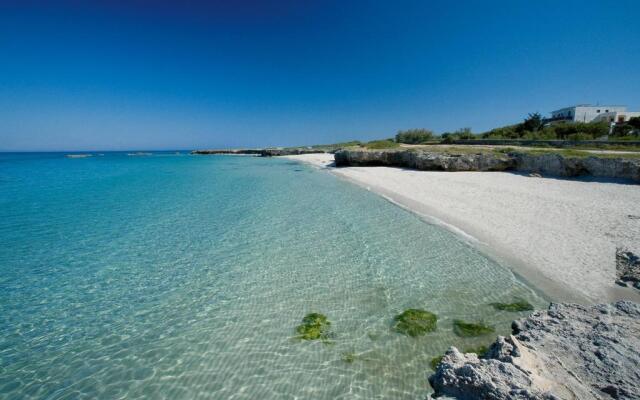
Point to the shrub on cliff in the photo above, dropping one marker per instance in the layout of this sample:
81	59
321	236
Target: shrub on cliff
414	136
460	134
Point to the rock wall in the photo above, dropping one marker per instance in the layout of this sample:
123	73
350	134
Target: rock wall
424	160
555	164
567	352
547	164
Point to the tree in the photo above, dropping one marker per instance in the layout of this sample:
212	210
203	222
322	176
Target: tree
634	122
532	123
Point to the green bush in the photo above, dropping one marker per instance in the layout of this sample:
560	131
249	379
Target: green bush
634	122
533	128
460	134
414	136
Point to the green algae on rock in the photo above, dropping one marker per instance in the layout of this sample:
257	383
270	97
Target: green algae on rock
481	351
414	322
519	305
468	329
435	361
314	326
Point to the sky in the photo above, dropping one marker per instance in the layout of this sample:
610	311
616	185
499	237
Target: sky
137	74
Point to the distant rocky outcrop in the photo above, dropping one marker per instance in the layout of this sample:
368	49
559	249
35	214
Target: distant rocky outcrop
545	164
260	152
230	151
289	152
567	352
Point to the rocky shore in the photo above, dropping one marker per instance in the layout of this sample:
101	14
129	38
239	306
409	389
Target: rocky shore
545	164
566	352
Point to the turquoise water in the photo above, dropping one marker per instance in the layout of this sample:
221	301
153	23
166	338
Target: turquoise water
177	276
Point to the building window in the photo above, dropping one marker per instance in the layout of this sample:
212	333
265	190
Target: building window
598	111
606	110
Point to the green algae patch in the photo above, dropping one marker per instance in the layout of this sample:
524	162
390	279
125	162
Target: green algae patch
481	350
435	361
519	305
414	322
314	326
349	357
468	329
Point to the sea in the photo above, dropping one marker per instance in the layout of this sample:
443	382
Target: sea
165	275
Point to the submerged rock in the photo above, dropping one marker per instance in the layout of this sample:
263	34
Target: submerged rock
567	352
516	306
414	322
314	326
470	329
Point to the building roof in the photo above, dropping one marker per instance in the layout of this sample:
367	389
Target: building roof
590	105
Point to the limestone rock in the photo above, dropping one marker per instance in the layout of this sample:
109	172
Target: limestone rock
627	267
534	164
567	352
423	160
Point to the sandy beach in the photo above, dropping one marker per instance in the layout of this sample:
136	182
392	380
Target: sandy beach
559	235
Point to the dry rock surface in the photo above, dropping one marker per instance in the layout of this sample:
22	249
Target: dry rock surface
567	352
627	268
540	164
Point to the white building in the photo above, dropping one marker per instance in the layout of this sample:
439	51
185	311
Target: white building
589	113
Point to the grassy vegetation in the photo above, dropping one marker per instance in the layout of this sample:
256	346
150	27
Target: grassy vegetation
336	146
469	329
381	144
517	306
533	128
314	326
414	322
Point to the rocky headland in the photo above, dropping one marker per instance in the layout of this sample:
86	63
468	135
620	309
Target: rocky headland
544	163
566	352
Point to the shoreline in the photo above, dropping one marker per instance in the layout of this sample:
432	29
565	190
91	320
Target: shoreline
564	262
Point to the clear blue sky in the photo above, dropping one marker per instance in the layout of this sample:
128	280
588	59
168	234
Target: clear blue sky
84	75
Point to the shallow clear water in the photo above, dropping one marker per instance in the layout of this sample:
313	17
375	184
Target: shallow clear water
177	276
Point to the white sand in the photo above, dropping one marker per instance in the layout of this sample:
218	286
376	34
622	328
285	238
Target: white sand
559	235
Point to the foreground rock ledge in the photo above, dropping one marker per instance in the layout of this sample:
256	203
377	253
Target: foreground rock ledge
567	352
